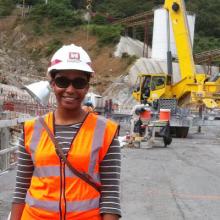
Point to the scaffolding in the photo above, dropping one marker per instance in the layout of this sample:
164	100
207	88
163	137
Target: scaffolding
143	19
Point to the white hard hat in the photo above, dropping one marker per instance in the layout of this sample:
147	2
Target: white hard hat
70	57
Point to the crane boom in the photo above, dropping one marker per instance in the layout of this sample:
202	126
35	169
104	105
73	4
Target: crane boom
193	89
177	12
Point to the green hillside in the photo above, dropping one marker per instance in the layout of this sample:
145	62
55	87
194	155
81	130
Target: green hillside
61	15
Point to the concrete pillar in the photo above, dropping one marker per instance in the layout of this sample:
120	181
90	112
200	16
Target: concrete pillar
1	107
134	33
126	33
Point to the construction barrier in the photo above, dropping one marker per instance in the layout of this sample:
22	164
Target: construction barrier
32	109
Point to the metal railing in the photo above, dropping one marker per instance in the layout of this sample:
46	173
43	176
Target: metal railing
8	157
136	20
207	56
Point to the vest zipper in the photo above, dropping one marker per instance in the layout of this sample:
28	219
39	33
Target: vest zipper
61	189
63	199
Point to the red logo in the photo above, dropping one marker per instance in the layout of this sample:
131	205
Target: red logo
54	62
74	56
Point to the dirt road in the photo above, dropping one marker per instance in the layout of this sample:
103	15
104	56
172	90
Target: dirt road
181	182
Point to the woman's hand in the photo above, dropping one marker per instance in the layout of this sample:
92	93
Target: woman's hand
16	211
110	217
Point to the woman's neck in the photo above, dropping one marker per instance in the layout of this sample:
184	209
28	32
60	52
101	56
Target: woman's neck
69	117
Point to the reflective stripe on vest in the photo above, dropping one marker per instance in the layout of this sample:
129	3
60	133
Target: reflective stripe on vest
70	206
35	138
47	171
96	144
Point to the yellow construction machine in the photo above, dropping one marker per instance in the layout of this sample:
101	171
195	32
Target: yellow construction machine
194	90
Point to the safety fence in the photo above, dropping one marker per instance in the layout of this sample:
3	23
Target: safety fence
32	109
15	101
14	111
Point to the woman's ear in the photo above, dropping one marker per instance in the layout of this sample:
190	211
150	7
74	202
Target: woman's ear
52	83
87	88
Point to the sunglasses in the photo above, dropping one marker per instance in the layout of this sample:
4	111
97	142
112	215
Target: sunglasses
77	83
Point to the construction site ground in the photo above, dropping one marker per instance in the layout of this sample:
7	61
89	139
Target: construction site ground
179	182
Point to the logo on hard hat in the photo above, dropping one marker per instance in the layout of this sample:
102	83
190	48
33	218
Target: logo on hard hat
74	56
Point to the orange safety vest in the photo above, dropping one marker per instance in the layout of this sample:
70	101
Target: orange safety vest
55	192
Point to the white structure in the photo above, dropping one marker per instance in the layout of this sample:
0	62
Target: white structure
130	46
160	35
40	91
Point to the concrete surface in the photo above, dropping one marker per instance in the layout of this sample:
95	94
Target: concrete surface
181	182
7	183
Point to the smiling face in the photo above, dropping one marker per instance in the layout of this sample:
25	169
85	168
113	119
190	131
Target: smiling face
70	98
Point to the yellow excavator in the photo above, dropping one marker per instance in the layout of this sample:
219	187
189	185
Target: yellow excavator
194	90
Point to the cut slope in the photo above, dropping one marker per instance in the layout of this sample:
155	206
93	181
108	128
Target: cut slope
25	55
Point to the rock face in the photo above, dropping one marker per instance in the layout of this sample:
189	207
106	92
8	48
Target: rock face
114	77
24	57
15	70
16	67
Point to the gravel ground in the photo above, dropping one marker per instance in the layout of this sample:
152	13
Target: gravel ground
179	182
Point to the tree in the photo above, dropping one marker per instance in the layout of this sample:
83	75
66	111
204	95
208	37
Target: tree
207	16
123	8
78	4
6	7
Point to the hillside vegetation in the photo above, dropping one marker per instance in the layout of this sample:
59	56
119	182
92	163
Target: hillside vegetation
45	27
68	13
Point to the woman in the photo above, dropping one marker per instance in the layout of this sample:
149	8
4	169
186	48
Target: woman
45	187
